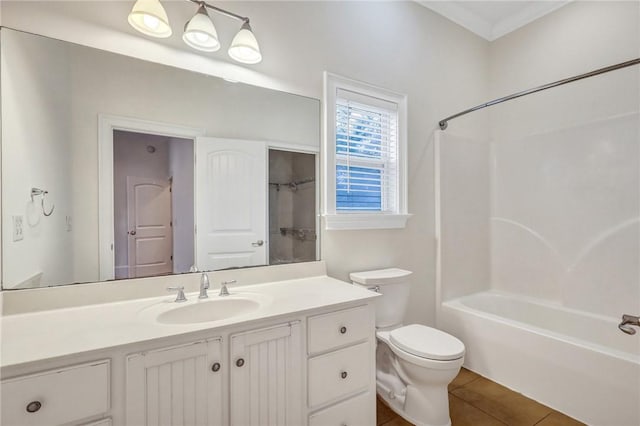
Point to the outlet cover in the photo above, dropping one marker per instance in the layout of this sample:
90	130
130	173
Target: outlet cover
18	229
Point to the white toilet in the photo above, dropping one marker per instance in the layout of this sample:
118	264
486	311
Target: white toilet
414	363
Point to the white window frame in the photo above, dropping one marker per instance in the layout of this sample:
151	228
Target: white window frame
337	220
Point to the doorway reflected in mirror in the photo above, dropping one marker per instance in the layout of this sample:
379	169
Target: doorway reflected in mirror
153	204
292	198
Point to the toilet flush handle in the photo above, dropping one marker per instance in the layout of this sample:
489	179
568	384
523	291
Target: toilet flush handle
374	288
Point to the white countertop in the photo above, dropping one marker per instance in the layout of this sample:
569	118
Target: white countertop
42	335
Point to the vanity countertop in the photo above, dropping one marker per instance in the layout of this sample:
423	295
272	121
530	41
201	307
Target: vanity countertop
42	335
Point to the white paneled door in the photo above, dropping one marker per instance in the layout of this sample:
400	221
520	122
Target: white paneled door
266	381
181	385
231	211
150	245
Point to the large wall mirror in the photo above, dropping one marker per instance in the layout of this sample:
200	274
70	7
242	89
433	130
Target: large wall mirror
113	167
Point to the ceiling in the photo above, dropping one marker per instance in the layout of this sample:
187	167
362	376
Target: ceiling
493	19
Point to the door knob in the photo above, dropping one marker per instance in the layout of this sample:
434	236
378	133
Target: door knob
132	232
258	243
33	406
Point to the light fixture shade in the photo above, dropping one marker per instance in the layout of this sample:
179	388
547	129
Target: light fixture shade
244	47
150	18
200	33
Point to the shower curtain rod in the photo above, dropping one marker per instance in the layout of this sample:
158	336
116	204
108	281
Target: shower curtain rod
444	122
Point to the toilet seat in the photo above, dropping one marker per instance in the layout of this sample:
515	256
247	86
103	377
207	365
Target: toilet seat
426	342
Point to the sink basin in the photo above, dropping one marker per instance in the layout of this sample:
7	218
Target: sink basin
208	310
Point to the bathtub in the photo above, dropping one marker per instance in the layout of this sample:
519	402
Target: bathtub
575	362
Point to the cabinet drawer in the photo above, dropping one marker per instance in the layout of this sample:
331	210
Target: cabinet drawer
329	331
357	411
58	396
339	373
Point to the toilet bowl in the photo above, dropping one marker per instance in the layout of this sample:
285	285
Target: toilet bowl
414	363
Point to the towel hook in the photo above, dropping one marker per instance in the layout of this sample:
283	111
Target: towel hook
37	192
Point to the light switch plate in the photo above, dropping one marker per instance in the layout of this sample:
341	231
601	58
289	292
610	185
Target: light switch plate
18	229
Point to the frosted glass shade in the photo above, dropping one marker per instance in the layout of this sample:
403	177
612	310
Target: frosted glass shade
150	18
244	47
200	33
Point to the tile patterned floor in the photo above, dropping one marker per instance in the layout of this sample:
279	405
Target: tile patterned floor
477	401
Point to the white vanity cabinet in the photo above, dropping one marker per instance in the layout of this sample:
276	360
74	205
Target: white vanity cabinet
306	359
187	384
176	385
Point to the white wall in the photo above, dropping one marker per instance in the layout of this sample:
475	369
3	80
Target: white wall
37	82
398	45
566	162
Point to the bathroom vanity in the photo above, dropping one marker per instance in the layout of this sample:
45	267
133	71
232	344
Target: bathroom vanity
292	352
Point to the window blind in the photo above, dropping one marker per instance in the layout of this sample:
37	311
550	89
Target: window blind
366	153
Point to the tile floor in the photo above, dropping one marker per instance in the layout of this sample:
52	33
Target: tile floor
476	401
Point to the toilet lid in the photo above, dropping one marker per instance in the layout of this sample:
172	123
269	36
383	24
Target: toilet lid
427	342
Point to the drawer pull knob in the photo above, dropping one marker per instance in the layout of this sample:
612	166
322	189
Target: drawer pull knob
240	362
33	406
343	329
215	367
343	374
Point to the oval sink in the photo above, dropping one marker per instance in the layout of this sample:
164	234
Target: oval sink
209	310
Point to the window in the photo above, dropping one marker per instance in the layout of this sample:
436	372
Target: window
365	150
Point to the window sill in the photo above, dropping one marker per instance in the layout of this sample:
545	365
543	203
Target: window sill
354	221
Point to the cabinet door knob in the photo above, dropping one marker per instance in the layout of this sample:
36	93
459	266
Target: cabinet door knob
343	374
239	362
33	406
215	367
343	329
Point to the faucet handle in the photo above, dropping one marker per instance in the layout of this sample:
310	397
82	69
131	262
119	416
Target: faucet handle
180	296
223	287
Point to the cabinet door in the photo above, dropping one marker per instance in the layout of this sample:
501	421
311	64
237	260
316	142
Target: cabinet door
181	385
266	385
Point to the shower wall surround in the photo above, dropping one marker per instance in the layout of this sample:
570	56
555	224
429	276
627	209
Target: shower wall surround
549	205
565	163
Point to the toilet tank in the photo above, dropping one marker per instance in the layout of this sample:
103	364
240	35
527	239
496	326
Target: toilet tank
393	284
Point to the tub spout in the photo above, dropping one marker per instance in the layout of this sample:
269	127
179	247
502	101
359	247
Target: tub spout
627	322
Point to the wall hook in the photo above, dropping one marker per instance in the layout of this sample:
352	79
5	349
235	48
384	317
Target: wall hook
37	192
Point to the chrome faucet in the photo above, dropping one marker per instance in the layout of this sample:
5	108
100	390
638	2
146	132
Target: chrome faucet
180	297
204	286
627	321
223	287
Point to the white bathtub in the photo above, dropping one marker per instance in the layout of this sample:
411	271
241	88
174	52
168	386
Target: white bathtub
572	361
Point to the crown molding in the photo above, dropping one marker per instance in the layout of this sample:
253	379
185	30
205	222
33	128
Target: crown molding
466	18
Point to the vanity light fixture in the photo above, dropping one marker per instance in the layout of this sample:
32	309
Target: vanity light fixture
150	18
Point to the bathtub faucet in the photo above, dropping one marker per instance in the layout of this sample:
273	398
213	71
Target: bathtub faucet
627	322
